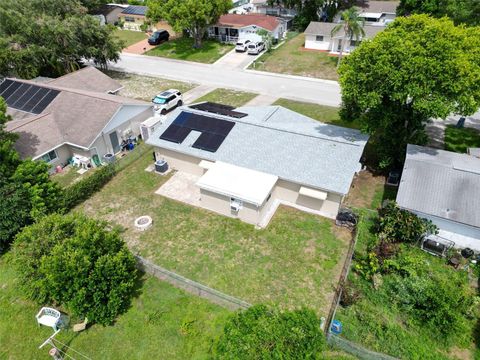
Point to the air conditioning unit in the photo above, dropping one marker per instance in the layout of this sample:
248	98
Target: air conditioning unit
235	205
148	126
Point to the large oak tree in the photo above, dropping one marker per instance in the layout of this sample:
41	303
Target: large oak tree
417	69
195	16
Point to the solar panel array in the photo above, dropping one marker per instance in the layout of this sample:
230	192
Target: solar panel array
26	97
213	131
135	10
219	109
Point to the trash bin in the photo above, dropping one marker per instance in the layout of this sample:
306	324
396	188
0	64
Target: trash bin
109	158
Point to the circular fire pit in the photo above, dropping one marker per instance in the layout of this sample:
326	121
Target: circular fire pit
143	222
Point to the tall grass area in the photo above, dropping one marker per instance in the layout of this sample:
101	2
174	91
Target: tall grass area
381	317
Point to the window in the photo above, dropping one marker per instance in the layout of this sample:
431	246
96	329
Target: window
319	38
129	19
49	157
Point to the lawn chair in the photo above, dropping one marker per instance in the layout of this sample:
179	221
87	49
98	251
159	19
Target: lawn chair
49	317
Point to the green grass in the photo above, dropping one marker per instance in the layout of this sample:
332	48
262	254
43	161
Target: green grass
129	37
378	325
291	58
69	176
228	97
296	261
182	49
322	113
459	140
163	322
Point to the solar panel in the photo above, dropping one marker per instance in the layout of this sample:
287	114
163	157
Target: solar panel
213	131
135	10
209	142
42	104
27	97
175	133
219	109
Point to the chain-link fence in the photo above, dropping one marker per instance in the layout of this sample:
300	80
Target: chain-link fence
355	349
191	286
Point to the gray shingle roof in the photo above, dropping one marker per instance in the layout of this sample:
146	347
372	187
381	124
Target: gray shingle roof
442	184
283	143
383	7
325	29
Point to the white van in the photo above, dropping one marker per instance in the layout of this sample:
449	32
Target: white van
255	48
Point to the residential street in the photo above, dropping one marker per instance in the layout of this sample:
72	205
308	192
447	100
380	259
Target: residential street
323	92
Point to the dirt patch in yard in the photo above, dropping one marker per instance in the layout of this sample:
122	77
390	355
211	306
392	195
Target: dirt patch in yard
369	191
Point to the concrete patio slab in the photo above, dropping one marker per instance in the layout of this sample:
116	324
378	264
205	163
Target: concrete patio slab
181	187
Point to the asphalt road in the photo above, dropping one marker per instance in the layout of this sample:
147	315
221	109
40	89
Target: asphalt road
323	92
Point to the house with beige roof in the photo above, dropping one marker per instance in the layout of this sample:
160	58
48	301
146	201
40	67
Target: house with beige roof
73	115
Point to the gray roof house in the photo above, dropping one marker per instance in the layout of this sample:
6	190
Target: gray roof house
72	115
443	187
298	160
318	36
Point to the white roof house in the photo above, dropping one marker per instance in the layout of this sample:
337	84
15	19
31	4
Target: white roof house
267	154
444	187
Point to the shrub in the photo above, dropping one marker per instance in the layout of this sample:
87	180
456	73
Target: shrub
44	193
15	212
398	225
82	190
76	262
264	333
350	294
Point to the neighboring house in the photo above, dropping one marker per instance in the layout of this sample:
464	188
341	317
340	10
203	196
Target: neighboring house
443	187
250	160
231	27
72	115
133	17
110	12
318	36
376	13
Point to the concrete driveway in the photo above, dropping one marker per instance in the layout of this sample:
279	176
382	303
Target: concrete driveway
235	60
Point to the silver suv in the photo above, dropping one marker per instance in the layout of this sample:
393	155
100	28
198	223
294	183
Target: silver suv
255	48
167	100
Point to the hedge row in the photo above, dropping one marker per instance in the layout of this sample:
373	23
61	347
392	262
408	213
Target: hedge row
82	190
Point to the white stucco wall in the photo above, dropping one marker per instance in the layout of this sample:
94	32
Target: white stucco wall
312	43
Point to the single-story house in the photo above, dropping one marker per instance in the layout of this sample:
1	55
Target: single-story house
376	13
133	17
110	13
318	36
443	187
75	114
231	27
250	159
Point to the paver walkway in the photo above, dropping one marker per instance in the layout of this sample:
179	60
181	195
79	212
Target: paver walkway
319	91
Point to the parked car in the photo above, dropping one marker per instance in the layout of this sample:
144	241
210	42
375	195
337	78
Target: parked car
255	48
167	100
158	37
242	45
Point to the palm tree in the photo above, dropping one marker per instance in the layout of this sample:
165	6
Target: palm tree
352	26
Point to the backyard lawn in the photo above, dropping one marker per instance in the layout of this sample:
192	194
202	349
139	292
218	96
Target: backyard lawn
130	37
163	322
228	97
368	191
459	140
291	58
322	113
296	261
146	87
182	49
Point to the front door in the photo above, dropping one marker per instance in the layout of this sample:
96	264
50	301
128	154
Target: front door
339	47
115	142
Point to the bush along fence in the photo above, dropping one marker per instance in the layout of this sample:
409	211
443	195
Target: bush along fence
191	286
335	340
79	192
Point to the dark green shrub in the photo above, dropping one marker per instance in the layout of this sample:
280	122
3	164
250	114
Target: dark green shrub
76	262
82	190
396	225
15	212
268	333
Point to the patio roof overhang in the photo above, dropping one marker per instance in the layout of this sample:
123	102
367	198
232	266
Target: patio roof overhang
237	182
